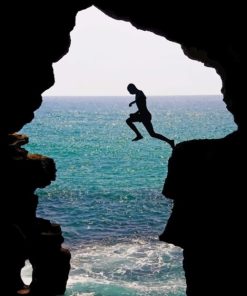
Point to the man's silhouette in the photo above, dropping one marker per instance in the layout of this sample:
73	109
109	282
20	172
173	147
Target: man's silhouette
143	115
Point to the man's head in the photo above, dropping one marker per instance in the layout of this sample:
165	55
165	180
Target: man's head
132	88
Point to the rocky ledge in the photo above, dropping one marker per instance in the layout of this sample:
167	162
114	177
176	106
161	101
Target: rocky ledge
24	235
206	183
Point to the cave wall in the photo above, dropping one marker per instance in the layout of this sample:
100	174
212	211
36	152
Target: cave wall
36	34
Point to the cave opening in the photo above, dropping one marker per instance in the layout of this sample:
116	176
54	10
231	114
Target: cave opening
110	227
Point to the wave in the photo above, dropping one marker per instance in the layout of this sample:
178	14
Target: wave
135	267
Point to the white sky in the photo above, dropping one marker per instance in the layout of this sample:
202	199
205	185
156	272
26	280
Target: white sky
106	55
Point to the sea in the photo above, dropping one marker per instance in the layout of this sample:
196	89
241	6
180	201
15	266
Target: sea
107	194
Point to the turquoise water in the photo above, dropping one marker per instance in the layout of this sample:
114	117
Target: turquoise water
107	195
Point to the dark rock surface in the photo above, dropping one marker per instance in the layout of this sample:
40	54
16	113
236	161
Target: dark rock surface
207	184
24	235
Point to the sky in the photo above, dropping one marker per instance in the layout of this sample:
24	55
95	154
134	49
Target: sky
106	55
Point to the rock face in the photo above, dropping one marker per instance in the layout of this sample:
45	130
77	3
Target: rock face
206	182
206	176
24	235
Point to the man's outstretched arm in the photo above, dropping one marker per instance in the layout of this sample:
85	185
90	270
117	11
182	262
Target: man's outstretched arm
130	104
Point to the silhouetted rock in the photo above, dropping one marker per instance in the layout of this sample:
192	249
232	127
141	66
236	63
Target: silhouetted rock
205	180
50	262
26	236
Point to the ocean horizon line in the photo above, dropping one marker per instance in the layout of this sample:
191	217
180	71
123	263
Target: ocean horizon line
123	96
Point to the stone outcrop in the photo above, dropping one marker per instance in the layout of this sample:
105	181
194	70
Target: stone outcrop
37	34
206	182
24	235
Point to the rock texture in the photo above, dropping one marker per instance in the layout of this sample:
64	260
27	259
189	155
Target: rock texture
35	35
24	235
206	182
